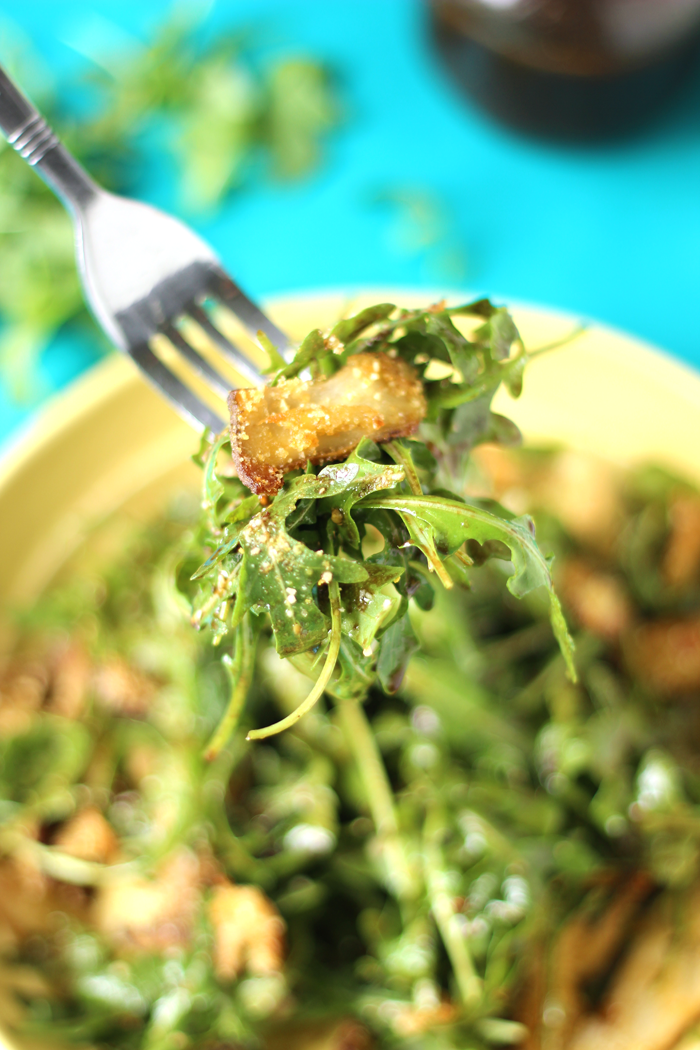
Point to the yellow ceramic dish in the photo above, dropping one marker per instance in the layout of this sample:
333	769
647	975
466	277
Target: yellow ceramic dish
111	444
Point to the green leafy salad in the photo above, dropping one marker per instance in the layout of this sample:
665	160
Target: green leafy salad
367	804
300	561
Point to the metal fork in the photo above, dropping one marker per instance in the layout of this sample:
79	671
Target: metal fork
143	271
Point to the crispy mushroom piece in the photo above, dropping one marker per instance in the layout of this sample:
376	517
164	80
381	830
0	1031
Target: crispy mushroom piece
88	836
344	1034
553	997
23	689
122	689
151	914
681	561
654	995
32	904
248	932
596	599
70	681
665	654
277	429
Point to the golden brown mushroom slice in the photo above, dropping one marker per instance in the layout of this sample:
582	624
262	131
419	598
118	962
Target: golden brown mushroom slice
277	429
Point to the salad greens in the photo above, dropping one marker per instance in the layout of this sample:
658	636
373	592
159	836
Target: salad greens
457	846
474	861
299	560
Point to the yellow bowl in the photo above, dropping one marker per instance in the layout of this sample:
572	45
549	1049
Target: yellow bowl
111	444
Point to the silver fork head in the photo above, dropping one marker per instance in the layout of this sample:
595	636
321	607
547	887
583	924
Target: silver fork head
143	271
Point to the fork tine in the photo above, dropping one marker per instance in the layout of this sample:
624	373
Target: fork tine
236	356
201	365
191	408
251	316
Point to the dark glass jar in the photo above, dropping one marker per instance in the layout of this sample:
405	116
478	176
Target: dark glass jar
570	69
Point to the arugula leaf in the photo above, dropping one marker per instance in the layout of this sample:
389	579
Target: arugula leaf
276	360
436	524
399	552
299	107
312	350
279	574
500	333
236	523
368	477
212	486
369	606
351	327
357	675
397	646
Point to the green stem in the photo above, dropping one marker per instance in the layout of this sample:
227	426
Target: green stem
210	481
229	847
440	570
401	456
380	799
442	906
323	679
59	865
576	331
242	672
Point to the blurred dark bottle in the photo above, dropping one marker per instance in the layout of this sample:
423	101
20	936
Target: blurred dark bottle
570	69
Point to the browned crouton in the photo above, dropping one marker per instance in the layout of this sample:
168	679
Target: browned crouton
277	429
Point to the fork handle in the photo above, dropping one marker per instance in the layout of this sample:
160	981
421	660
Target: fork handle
27	132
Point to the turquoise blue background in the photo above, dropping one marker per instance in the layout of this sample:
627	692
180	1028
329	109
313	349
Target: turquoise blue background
610	233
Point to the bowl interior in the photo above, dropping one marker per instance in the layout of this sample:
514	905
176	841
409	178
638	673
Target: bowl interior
110	444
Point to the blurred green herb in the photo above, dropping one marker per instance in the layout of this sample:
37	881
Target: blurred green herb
424	227
225	120
452	851
428	850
